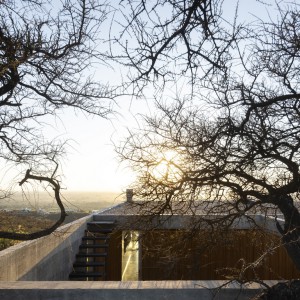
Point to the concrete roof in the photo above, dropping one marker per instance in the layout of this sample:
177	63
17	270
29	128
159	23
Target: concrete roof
187	208
139	215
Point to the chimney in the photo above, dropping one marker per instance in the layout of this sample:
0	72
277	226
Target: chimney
129	195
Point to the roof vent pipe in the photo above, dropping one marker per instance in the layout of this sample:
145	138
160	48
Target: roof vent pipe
129	195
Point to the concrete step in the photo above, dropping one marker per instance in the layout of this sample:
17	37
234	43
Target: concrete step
96	229
93	246
91	254
93	238
83	264
86	274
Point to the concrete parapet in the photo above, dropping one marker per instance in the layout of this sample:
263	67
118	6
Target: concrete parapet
47	258
146	290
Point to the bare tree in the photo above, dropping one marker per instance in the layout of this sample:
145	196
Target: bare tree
235	138
46	50
164	40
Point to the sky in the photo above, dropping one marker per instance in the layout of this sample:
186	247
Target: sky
91	164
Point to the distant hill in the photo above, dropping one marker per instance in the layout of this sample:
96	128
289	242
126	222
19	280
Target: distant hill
73	201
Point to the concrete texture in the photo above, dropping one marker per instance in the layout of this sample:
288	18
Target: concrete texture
32	270
136	222
46	258
134	290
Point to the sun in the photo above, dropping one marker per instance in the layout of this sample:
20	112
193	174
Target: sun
167	166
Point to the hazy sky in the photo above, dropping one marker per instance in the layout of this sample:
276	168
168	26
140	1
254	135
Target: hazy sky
91	163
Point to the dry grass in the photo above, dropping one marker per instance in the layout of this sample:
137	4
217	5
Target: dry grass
19	221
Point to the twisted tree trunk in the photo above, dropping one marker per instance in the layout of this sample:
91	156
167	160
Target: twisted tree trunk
34	235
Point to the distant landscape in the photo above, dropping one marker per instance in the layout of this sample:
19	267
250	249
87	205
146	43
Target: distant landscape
38	211
74	201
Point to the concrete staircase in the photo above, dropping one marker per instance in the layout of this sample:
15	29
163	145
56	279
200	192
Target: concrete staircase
91	260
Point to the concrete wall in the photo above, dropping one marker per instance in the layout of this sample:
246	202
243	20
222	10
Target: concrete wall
51	257
134	290
46	258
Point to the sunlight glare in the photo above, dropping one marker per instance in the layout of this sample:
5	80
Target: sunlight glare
167	166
